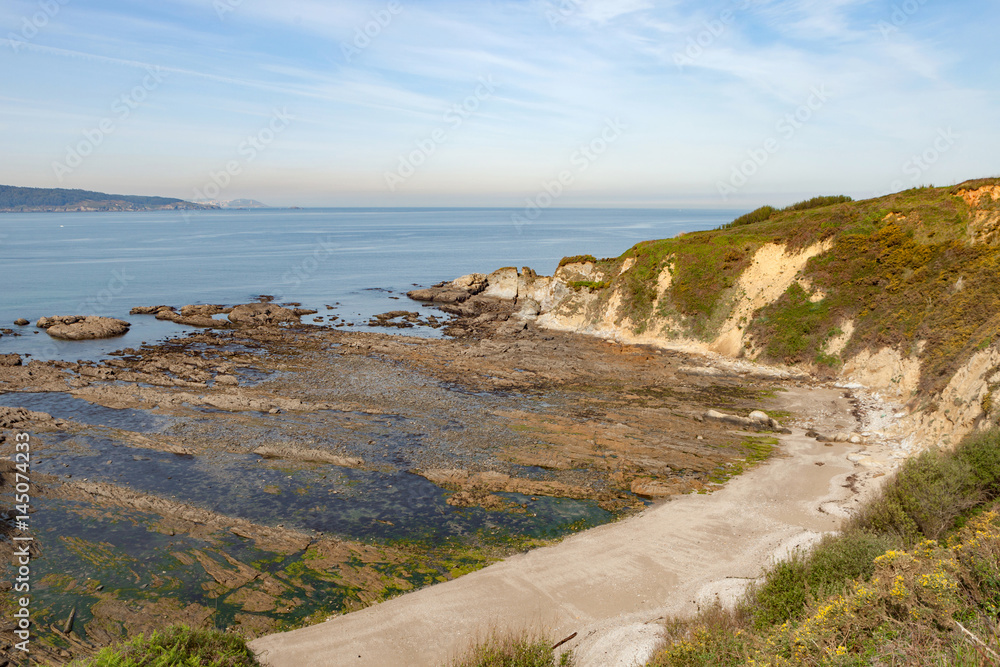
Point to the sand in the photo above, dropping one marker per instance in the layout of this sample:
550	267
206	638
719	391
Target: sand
614	584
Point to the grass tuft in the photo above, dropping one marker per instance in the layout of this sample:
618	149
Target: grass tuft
177	646
513	650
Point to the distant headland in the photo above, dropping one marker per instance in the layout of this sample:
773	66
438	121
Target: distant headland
15	199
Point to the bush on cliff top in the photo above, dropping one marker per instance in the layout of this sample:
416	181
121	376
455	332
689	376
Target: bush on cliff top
760	215
767	212
577	259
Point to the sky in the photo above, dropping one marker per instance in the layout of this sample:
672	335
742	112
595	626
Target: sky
520	103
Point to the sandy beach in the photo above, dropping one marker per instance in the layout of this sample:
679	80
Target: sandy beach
612	585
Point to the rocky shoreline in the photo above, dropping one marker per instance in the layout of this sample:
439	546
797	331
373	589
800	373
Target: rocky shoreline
508	416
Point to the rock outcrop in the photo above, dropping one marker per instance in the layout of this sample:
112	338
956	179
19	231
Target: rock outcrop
80	327
246	315
262	314
455	291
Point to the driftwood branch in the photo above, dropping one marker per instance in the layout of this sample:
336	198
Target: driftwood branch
977	640
561	642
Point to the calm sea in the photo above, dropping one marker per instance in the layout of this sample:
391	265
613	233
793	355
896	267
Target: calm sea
355	259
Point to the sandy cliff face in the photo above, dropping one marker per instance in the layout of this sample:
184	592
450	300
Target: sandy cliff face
597	298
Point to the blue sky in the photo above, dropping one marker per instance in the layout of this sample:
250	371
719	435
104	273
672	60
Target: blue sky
499	103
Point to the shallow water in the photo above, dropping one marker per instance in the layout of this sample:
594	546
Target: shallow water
384	504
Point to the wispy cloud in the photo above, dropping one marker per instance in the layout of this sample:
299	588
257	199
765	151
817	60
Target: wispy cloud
557	82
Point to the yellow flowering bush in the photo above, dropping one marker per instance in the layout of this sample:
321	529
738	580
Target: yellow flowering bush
914	600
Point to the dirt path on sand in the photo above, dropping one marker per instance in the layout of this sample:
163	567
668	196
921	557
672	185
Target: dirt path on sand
612	584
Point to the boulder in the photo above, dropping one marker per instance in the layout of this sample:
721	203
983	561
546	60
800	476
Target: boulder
78	327
10	360
193	320
440	294
502	283
455	291
529	309
758	420
474	283
21	322
262	314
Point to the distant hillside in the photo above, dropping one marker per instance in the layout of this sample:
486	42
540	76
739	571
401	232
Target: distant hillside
14	199
233	203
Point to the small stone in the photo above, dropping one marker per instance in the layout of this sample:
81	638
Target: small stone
10	360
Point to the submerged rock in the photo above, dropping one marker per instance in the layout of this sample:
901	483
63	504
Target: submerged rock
292	453
148	310
21	322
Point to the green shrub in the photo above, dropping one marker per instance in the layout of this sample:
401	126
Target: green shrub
817	202
934	490
796	324
828	569
590	285
981	451
717	640
759	215
178	646
577	259
926	496
513	650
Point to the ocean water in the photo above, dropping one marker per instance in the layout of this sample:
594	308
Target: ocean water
357	260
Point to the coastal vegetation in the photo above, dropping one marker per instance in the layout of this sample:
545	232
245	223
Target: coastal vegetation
577	259
177	646
767	212
917	271
513	650
911	579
